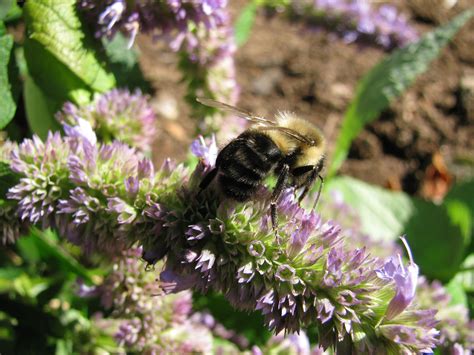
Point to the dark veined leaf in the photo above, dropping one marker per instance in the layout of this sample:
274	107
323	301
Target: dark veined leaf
61	55
389	79
244	23
7	101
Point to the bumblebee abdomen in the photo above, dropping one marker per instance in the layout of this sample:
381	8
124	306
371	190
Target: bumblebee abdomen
244	163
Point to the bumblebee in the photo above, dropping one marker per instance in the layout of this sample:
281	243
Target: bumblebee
291	148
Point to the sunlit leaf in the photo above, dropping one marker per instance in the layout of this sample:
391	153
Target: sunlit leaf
436	234
383	213
457	293
243	25
7	277
61	55
466	275
7	101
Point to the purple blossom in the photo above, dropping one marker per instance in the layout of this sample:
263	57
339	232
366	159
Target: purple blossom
314	276
200	30
146	321
357	21
180	23
42	166
455	327
297	344
82	130
117	114
405	278
208	153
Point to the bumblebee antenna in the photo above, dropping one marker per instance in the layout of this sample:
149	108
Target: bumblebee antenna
319	191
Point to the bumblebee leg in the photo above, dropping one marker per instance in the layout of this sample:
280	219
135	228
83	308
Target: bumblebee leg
319	191
308	183
280	185
208	179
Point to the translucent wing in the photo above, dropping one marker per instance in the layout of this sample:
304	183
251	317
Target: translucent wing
236	111
266	124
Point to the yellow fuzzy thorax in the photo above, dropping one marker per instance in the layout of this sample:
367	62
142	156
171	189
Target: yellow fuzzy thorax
310	155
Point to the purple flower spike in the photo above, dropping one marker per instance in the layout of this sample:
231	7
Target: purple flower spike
405	278
118	114
357	21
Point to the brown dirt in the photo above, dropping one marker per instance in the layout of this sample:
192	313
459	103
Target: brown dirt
283	67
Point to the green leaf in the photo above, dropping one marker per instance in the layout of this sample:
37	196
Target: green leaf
5	6
7	101
7	276
389	79
456	290
43	245
436	234
61	54
383	213
124	64
460	215
466	275
438	244
39	109
464	192
244	23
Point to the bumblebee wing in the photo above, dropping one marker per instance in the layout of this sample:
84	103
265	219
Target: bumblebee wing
236	111
290	132
264	123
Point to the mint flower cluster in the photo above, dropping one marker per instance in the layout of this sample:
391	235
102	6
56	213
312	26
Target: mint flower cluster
456	329
200	31
172	20
141	318
108	197
116	115
357	21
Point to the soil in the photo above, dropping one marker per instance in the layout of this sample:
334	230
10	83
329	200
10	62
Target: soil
285	67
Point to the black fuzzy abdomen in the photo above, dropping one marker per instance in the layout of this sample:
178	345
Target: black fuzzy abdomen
244	163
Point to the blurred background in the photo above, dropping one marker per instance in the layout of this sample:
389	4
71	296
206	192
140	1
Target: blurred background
423	139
